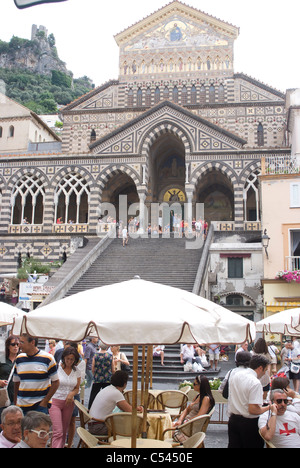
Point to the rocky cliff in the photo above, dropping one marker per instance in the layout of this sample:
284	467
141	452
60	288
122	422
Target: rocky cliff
38	55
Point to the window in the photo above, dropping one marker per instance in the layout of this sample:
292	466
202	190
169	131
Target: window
260	135
130	98
93	136
295	195
235	268
212	94
175	94
11	132
202	95
193	95
27	201
184	96
1	132
148	97
157	95
139	97
221	94
71	199
234	300
166	93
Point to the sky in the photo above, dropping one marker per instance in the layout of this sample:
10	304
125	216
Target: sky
266	49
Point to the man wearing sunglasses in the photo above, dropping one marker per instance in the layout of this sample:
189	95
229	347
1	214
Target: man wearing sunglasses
279	426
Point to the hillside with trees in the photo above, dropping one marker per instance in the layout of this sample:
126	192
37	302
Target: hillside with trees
32	74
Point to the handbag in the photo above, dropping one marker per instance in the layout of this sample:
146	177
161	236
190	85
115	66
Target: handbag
124	367
295	368
225	391
4	398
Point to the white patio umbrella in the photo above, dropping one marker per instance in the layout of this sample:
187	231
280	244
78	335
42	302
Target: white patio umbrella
8	314
286	323
137	312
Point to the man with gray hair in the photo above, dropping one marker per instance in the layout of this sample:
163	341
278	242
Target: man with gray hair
11	419
279	426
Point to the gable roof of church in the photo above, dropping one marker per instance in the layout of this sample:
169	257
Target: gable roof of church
178	7
171	105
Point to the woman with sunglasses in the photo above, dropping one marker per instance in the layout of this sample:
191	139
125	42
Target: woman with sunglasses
202	404
35	430
11	353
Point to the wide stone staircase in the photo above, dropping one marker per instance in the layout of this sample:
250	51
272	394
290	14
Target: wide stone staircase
161	260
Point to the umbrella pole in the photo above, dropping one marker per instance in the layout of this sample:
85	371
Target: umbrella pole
134	395
143	375
146	395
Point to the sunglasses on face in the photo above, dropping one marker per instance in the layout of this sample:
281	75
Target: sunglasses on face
281	400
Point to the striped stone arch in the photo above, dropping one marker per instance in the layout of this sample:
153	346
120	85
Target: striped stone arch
116	169
69	170
154	133
248	170
225	169
26	171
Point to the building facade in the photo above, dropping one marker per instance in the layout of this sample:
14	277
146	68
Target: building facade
179	124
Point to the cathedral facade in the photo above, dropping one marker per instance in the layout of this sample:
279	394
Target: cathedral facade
177	125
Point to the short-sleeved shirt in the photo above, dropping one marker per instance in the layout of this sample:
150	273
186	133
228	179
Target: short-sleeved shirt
103	367
105	402
287	432
35	374
245	389
67	383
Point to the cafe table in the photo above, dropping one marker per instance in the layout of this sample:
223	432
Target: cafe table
158	421
140	443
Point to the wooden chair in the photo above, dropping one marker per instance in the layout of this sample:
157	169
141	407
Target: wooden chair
173	401
85	418
189	428
120	425
269	444
151	398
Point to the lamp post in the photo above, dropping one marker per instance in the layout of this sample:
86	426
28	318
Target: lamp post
265	242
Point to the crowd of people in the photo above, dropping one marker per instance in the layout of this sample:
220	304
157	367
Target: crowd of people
42	387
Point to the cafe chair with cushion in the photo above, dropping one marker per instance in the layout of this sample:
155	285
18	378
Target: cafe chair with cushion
173	401
189	428
151	398
120	425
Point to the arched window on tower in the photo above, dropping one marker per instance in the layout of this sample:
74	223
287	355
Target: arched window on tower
139	98
148	97
221	94
184	96
193	95
1	132
212	94
202	95
166	93
175	94
27	201
93	135
11	132
130	98
260	135
157	95
71	199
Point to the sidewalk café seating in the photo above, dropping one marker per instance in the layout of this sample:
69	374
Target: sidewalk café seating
195	441
88	440
120	424
151	398
85	418
189	428
173	401
268	443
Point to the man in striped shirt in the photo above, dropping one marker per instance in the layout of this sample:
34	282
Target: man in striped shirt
35	377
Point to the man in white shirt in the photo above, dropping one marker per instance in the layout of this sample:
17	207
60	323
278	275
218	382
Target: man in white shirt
245	404
279	426
106	401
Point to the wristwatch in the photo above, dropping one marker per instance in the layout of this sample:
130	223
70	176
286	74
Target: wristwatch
273	414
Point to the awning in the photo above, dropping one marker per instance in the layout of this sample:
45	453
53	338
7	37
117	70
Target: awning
235	255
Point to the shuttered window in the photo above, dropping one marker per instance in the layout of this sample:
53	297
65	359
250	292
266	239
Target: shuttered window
235	267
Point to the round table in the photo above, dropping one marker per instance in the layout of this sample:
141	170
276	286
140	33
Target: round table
141	443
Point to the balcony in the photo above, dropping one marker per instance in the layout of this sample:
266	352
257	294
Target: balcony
292	263
280	165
